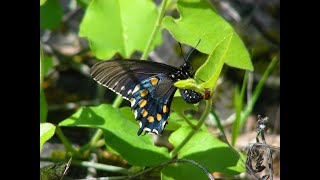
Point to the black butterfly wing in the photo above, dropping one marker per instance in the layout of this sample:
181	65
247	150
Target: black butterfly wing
151	100
121	76
145	84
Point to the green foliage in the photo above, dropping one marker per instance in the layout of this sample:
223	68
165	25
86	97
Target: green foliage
207	150
42	2
46	132
189	84
179	105
199	20
119	26
120	134
123	27
84	3
43	102
238	103
47	65
50	15
43	107
211	69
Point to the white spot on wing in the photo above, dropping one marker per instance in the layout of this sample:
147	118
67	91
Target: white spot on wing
122	88
129	92
133	101
147	129
163	124
136	88
105	85
135	114
155	131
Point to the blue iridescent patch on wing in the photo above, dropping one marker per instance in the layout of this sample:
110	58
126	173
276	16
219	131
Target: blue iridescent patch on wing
150	101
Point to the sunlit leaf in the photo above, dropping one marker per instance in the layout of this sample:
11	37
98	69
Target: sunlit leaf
46	132
119	26
199	20
205	149
120	134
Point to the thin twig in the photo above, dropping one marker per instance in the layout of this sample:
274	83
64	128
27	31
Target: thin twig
209	175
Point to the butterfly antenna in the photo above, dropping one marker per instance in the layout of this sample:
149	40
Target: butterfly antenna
193	49
182	52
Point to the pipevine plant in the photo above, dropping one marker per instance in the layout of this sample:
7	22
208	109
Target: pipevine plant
122	27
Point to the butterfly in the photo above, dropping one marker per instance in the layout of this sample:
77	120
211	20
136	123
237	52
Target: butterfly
148	85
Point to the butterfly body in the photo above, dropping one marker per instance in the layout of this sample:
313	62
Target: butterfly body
148	86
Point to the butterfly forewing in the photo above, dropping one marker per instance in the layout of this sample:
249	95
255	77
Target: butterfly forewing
121	76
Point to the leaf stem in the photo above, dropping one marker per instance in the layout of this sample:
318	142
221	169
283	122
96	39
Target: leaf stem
98	166
205	114
187	120
66	142
257	91
155	30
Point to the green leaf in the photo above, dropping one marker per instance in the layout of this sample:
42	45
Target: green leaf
42	2
180	105
176	121
207	150
189	84
47	65
182	171
51	15
84	3
120	134
46	132
199	20
43	107
119	26
211	69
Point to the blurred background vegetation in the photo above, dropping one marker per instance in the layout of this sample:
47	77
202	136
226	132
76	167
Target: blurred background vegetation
68	84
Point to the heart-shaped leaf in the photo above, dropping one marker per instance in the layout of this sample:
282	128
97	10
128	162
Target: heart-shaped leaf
205	149
119	26
199	20
46	132
120	134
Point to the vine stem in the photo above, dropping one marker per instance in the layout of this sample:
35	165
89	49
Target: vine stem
205	114
103	167
187	120
155	30
134	176
65	142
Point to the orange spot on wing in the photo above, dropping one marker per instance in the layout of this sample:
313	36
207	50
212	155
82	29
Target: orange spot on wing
164	109
159	117
145	113
143	103
154	81
144	92
150	119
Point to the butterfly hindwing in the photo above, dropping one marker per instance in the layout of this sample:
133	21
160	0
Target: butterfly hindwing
151	100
